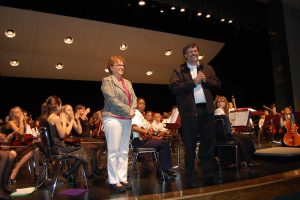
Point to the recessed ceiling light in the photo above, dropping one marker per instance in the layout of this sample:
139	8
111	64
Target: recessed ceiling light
173	8
222	20
162	11
200	57
68	40
182	9
230	21
59	66
199	13
106	70
14	63
10	33
123	47
207	16
168	52
142	3
149	72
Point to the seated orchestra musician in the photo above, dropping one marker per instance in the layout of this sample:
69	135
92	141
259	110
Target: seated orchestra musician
142	137
60	127
25	145
158	126
7	159
96	131
289	127
286	116
246	146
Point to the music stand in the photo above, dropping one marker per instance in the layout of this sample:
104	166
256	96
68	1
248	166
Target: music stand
239	119
173	123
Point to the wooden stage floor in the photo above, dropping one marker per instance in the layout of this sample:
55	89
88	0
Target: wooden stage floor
272	179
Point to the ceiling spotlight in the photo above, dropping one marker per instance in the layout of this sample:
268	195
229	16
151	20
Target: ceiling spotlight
173	8
106	70
182	9
123	47
161	11
222	20
142	3
207	16
10	33
199	14
149	72
68	40
14	63
59	66
200	57
230	21
168	52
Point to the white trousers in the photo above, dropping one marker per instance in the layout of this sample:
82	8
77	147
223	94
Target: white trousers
117	133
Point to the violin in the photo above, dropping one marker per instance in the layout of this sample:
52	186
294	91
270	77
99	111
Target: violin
98	131
73	141
148	135
23	140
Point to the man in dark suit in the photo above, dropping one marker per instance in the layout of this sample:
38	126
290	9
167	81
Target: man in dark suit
193	84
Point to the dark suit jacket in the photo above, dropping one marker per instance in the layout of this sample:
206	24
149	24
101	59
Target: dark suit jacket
182	85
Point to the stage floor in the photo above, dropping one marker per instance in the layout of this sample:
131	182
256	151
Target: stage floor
243	183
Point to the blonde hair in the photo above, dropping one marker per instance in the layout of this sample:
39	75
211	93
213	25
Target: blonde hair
226	107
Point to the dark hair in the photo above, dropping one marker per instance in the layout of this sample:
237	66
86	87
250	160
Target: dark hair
49	105
79	106
190	45
140	98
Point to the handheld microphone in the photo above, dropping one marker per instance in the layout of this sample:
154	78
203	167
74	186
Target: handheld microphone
200	69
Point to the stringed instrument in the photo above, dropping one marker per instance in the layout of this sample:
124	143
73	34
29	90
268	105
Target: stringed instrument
291	137
72	140
233	101
23	140
97	131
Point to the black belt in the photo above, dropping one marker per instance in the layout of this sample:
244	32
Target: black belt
200	105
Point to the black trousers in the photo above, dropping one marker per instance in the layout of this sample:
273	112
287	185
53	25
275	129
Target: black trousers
201	128
163	149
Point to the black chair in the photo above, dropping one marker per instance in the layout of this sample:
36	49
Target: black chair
61	159
135	152
224	141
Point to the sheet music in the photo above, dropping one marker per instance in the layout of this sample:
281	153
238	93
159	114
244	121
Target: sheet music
239	118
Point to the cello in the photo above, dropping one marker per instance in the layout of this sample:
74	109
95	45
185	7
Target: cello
291	137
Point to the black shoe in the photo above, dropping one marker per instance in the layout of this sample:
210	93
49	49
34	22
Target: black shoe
191	181
169	172
116	188
211	180
252	164
166	176
11	186
230	166
127	185
70	179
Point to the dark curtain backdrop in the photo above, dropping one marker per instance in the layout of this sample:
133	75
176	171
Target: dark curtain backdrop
30	93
